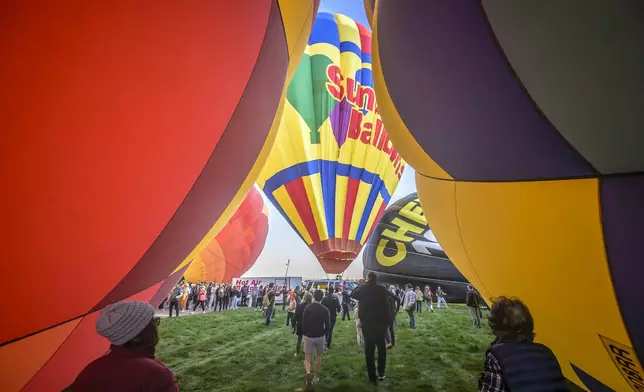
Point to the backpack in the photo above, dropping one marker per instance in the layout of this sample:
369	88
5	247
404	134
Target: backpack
266	300
176	294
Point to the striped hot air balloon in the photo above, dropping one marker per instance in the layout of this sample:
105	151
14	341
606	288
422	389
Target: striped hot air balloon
333	168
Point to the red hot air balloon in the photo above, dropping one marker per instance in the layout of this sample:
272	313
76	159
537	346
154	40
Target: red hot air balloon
129	131
236	247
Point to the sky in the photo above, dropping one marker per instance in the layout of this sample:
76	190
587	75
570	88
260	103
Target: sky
282	242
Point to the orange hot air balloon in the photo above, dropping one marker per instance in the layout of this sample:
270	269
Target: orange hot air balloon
129	131
236	247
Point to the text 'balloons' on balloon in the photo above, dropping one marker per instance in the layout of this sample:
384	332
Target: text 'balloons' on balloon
130	134
403	249
333	168
524	127
237	246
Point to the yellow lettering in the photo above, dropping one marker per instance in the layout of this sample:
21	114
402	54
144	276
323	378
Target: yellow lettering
388	261
403	228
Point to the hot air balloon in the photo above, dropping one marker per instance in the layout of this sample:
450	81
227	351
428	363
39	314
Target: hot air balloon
236	247
524	123
130	132
333	168
403	249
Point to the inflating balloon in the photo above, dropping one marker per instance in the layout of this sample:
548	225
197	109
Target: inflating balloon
333	168
130	132
403	249
524	123
236	247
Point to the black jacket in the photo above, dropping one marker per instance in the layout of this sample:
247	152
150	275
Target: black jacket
297	318
333	305
373	305
472	298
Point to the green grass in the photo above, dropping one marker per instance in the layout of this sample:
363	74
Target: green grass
234	351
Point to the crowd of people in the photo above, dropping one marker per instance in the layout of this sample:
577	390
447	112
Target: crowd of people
512	361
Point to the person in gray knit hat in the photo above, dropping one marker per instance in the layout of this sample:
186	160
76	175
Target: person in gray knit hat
129	365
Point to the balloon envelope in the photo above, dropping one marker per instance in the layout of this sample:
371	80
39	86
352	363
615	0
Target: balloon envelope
403	249
128	132
333	168
524	124
236	247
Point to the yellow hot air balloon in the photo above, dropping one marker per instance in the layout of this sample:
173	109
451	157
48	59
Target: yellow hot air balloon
333	168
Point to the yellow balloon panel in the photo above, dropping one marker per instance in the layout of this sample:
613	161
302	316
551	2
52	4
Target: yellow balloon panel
547	231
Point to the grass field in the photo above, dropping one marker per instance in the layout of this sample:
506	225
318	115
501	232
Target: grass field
234	351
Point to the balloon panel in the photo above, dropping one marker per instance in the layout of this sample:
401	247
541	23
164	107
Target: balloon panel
333	168
403	249
118	181
237	246
529	176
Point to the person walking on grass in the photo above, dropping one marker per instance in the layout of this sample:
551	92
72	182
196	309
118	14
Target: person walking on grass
315	324
284	298
409	304
292	304
394	303
244	295
333	305
472	302
513	362
419	300
219	301
129	365
269	302
375	318
183	302
297	320
346	301
253	297
260	298
428	299
201	299
175	296
440	297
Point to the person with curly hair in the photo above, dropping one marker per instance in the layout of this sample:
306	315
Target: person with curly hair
514	362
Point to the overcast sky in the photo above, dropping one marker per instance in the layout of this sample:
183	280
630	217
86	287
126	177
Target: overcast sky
283	243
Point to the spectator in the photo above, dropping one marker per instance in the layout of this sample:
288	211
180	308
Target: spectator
200	295
269	302
513	362
419	300
428	299
244	295
253	296
346	301
315	323
409	304
175	295
440	297
228	292
297	320
292	304
129	365
375	317
472	302
220	297
394	303
284	298
333	305
260	298
183	303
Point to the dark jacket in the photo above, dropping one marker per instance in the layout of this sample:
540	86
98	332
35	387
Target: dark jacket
126	370
472	298
373	305
315	320
528	367
394	304
332	303
297	318
244	291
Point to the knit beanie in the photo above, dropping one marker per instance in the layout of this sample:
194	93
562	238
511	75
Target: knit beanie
123	321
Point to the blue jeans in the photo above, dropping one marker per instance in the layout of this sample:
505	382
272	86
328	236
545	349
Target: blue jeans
329	334
269	313
412	318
